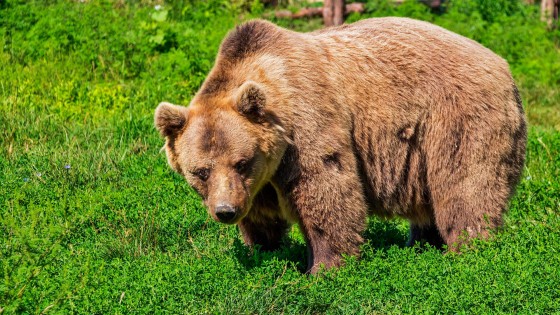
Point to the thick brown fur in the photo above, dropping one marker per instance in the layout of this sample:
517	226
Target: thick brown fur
386	116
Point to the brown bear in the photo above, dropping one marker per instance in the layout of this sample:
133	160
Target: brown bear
386	116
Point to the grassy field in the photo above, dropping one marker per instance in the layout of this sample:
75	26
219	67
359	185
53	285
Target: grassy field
93	221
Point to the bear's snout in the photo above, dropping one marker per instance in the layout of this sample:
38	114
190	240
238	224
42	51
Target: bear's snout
226	213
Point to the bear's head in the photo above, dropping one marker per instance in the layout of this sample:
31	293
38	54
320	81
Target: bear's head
227	147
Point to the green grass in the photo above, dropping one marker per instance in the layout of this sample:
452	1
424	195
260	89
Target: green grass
119	232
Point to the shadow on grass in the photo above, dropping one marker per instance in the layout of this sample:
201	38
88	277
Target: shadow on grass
379	234
290	251
383	234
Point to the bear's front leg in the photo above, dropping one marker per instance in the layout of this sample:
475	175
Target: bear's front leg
263	231
328	200
264	224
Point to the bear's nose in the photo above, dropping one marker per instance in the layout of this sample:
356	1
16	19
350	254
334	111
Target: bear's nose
225	213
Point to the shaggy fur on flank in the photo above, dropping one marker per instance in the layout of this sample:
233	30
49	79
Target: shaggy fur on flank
386	116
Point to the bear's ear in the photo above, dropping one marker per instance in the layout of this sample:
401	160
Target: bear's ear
170	119
251	100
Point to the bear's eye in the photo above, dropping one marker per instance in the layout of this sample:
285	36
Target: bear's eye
242	166
202	173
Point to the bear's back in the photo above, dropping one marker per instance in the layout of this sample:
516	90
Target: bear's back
426	50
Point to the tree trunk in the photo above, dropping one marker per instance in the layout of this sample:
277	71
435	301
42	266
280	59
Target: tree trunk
328	14
550	11
333	12
338	12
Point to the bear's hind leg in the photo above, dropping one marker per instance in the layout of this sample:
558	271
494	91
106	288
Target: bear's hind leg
468	200
469	205
459	221
473	166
